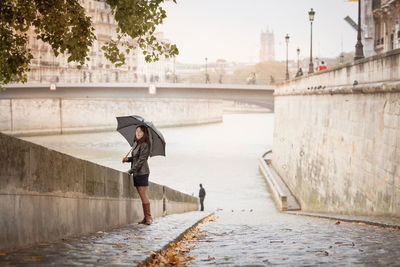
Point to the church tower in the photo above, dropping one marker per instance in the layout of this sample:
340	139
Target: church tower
267	46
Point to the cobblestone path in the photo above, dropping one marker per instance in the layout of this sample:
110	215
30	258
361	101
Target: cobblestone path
257	238
126	246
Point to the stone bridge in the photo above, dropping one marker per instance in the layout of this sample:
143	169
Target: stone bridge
261	95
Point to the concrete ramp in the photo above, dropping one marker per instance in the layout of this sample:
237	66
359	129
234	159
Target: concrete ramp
282	196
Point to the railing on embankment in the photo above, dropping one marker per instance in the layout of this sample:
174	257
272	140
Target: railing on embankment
337	137
21	116
46	195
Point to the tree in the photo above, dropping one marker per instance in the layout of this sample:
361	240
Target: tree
65	27
263	70
343	58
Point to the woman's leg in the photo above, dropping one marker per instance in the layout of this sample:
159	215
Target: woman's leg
146	204
143	195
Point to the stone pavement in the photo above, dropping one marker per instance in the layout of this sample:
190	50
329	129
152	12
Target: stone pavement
253	237
126	246
383	221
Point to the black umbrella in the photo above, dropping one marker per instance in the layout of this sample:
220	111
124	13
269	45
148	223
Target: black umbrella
127	127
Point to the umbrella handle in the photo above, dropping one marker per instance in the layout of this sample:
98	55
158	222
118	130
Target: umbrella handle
129	152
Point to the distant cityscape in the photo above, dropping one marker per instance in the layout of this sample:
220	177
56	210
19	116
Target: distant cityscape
381	33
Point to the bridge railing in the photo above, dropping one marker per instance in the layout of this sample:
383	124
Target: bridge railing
84	78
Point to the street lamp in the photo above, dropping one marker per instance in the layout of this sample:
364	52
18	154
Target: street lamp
206	71
311	14
287	45
298	58
359	46
173	76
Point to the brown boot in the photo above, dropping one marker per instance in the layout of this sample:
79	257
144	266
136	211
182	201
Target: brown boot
144	212
147	215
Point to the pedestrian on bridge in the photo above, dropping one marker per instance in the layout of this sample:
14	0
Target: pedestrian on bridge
140	168
202	195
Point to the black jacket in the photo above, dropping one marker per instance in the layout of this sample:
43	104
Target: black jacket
138	159
202	193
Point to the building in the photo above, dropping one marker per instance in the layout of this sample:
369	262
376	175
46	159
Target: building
385	24
160	71
267	46
367	28
47	68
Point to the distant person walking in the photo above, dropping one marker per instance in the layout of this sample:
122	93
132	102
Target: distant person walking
140	168
299	72
207	78
322	66
271	80
202	195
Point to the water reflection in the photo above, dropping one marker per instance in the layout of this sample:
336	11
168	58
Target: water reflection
222	156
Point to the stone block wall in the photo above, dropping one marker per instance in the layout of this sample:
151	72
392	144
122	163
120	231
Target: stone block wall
46	195
68	115
338	148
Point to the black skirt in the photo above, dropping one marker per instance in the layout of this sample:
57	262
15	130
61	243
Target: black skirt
141	180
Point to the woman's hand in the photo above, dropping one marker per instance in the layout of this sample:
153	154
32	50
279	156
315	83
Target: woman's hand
125	159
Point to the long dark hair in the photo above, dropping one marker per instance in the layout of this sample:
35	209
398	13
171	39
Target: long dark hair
145	138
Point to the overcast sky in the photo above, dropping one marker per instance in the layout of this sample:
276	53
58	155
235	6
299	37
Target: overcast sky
230	29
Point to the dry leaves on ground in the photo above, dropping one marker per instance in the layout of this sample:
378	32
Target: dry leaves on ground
176	253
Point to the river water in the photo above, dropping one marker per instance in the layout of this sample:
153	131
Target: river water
221	156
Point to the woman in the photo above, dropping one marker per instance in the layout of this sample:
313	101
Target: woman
140	168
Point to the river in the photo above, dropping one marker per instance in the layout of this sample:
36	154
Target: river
221	156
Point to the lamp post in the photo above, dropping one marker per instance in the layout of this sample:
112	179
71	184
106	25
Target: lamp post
359	46
298	58
287	66
206	71
311	14
173	75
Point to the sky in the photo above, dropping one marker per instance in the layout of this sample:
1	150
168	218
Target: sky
230	29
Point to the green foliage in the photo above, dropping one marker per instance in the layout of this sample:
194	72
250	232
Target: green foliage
60	23
13	57
64	25
138	20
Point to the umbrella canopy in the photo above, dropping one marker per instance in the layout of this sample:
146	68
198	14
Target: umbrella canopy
127	128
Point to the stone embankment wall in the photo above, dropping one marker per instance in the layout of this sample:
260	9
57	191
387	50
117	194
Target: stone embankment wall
337	141
67	115
46	195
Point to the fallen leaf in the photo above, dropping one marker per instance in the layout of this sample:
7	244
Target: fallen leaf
3	254
170	254
36	258
337	222
89	246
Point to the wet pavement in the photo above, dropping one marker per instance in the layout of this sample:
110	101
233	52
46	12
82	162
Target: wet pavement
256	238
249	230
126	246
383	221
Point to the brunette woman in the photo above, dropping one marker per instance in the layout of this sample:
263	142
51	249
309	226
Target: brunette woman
140	168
